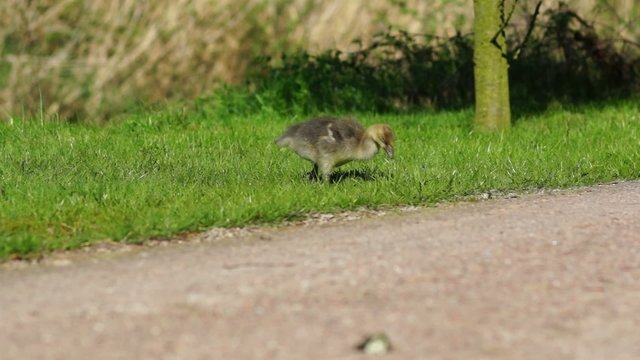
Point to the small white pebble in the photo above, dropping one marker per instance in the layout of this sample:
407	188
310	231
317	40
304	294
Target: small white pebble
98	327
155	331
61	262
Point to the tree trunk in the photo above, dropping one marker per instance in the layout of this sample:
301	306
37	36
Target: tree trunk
491	74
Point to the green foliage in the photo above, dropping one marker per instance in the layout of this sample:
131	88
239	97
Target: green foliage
158	174
564	60
396	72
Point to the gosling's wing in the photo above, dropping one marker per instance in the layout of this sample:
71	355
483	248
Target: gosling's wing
341	136
346	131
315	130
324	133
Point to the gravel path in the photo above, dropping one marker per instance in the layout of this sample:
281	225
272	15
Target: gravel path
543	276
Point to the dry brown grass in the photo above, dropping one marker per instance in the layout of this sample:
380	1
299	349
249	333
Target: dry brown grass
91	58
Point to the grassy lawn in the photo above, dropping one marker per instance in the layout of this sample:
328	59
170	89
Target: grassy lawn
159	174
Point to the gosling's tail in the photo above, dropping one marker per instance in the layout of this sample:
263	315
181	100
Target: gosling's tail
283	140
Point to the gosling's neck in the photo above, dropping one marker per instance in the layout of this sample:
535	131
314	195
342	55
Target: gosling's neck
367	147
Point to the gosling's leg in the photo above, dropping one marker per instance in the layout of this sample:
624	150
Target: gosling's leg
325	171
313	175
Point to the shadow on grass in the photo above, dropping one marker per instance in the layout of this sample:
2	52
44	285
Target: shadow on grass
339	176
361	175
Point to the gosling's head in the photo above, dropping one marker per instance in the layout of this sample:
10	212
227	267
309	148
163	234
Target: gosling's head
382	135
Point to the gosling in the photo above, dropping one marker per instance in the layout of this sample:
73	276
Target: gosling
329	142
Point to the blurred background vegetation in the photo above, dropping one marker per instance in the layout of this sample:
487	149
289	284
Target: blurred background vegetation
88	60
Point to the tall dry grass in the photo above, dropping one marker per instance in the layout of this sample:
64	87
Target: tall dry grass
89	59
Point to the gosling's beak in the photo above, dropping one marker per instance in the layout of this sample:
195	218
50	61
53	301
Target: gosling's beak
389	150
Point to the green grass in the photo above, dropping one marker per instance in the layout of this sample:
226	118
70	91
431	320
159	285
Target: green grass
155	175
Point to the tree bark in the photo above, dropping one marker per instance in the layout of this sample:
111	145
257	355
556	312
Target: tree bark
491	73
